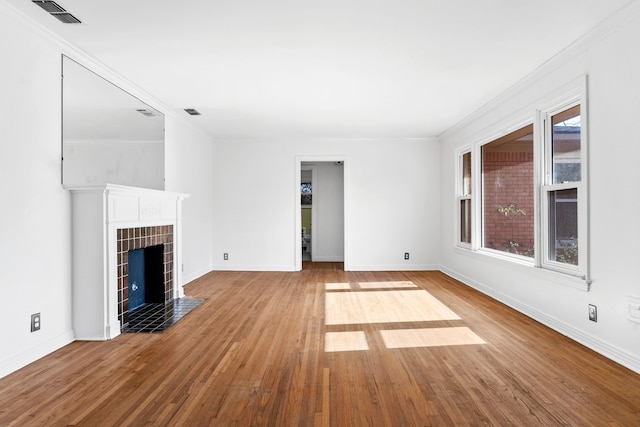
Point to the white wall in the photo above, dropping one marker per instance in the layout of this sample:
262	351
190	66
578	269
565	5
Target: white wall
36	217
188	157
608	56
392	193
35	247
328	212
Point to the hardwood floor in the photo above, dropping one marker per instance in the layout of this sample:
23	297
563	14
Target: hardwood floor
260	351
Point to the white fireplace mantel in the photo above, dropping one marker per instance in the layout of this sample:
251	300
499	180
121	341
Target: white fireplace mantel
97	213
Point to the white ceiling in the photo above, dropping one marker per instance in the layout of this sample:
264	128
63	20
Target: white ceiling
324	69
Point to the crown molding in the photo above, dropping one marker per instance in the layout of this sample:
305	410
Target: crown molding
88	61
591	38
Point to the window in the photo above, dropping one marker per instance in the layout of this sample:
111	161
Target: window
562	189
508	193
306	193
464	198
530	198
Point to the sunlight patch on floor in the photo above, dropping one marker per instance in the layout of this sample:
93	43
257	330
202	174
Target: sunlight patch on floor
387	303
345	341
337	286
344	308
429	337
387	285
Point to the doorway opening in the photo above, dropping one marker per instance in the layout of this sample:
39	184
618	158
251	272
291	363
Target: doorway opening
321	208
306	202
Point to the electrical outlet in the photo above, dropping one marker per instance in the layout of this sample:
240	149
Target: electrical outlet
633	309
35	322
593	313
226	256
406	255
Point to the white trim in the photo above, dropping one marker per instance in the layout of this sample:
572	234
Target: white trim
517	123
507	256
536	115
629	360
256	268
97	213
86	60
568	96
22	359
395	267
461	195
611	25
298	205
525	266
314	219
324	258
188	278
458	227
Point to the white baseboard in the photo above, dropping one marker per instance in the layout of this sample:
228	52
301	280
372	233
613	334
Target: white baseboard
631	361
229	267
616	354
328	259
187	278
397	267
22	359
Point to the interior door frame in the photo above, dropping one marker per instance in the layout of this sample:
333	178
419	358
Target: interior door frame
298	205
314	173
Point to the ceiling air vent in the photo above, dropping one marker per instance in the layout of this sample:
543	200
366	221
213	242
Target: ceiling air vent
192	111
67	18
54	9
145	112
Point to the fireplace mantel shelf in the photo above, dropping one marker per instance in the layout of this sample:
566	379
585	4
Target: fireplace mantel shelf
97	213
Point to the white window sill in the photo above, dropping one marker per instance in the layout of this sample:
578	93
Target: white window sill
527	265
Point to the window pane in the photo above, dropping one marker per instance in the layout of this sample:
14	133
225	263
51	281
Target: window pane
465	221
508	193
563	220
305	193
466	174
566	146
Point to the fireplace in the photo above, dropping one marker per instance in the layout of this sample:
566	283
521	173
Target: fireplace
107	222
149	278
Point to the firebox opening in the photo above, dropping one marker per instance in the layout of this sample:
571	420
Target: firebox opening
146	276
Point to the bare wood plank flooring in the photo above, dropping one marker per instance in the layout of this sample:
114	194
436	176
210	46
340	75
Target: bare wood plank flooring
260	351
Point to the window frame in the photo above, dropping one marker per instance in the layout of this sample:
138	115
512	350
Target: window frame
571	98
519	125
540	115
461	195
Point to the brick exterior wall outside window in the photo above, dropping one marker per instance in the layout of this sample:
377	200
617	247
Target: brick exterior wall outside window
508	178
